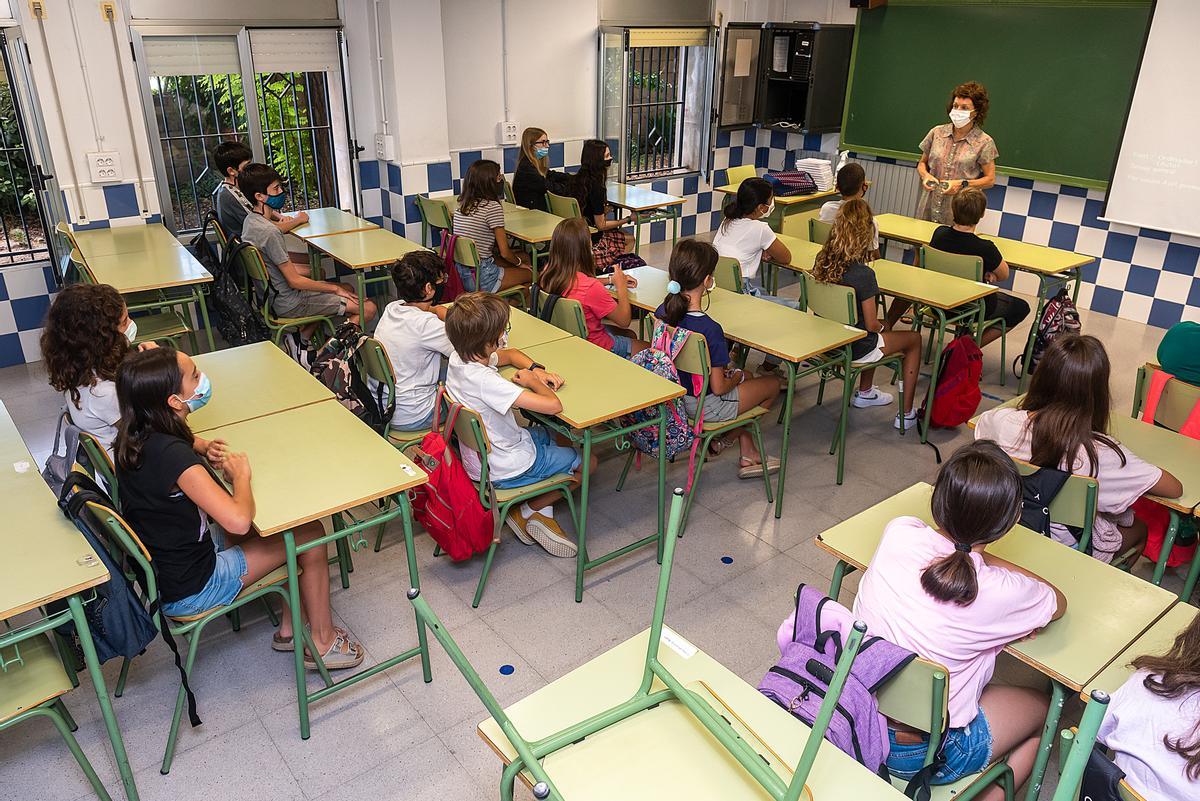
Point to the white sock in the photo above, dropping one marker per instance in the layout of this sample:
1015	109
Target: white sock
865	392
545	511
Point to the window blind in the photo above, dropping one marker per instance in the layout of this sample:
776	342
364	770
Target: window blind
191	55
667	37
295	50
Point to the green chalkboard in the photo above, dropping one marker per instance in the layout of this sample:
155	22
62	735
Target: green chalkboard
1059	77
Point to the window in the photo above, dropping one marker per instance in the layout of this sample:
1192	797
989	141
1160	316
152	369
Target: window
22	232
298	134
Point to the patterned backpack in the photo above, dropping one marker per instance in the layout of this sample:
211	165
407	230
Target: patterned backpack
1059	317
336	366
659	359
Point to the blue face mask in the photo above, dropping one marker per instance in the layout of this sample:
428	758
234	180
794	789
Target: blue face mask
201	396
277	202
541	152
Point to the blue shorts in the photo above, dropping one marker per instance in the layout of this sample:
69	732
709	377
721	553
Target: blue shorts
490	275
965	750
420	425
751	286
622	345
551	459
223	585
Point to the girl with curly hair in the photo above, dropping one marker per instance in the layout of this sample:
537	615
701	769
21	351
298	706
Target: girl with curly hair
843	260
87	335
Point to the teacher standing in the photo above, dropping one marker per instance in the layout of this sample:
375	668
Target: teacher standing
956	155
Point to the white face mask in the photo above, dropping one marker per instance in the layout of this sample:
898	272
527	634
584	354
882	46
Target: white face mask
501	344
770	209
709	287
131	331
960	117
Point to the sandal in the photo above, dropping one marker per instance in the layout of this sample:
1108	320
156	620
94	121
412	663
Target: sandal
717	445
288	644
749	469
342	654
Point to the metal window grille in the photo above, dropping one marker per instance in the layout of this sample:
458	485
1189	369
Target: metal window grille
22	234
655	103
297	126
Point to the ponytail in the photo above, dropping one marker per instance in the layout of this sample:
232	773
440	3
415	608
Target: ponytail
692	262
752	193
952	579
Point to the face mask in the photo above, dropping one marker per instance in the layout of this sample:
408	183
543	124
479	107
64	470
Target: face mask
710	284
541	152
438	291
277	202
770	209
501	344
201	396
607	163
960	117
131	331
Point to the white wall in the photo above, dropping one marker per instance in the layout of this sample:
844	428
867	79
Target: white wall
415	85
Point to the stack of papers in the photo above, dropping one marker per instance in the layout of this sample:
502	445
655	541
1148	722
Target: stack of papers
821	171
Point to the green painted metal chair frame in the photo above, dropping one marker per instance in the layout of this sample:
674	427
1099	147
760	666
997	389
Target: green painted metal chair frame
1176	403
836	303
729	274
471	433
1076	748
160	322
256	270
562	206
566	316
435	216
467	254
970	268
530	755
507	190
917	697
818	231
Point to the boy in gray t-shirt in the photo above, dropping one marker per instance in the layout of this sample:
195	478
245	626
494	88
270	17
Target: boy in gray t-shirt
231	206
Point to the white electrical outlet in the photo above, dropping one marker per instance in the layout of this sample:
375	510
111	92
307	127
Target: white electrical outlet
385	147
105	166
507	133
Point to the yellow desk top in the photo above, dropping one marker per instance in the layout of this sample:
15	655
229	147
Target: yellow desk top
253	381
760	324
158	268
527	330
528	225
898	279
363	250
45	558
125	239
360	465
1026	256
781	200
638	198
326	221
1158	639
664	753
1106	608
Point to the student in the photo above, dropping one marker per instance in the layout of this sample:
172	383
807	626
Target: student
88	332
477	325
480	218
937	592
231	206
588	186
731	391
968	207
744	236
843	261
1153	722
197	532
295	294
851	183
1063	423
533	175
571	273
413	331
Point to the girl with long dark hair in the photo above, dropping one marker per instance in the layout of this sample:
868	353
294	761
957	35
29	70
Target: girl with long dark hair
588	186
744	235
480	218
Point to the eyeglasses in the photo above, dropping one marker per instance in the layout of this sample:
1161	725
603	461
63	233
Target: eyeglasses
543	142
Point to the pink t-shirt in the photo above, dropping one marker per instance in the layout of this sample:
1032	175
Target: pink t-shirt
965	639
1120	485
597	304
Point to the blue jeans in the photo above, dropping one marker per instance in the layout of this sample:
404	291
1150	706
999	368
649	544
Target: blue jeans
223	585
751	286
966	750
622	345
491	275
551	459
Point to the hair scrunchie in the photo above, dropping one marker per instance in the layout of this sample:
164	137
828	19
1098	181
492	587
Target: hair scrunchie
673	288
962	547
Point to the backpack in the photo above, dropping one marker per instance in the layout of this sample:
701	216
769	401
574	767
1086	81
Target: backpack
793	182
1059	317
58	466
454	285
1038	491
659	359
627	261
1179	351
448	505
1101	780
336	366
201	248
955	393
799	680
1155	516
237	322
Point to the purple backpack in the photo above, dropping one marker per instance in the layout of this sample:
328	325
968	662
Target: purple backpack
800	678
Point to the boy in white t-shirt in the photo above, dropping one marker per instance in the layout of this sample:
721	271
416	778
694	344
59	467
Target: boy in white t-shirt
477	326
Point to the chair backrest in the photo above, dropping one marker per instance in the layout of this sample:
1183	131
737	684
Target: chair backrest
433	213
566	315
917	696
64	230
119	532
253	264
818	231
956	264
100	461
465	252
508	192
1174	405
830	301
693	358
81	269
219	230
563	206
374	363
735	175
729	274
1075	504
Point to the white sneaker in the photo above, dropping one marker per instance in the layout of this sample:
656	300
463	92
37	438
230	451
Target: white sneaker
910	421
872	397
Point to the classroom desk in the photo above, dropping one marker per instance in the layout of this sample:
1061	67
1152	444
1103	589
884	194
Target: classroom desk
533	227
664	752
368	470
124	239
363	251
46	559
785	205
647	206
253	381
1157	639
790	335
1107	609
1053	267
599	388
525	330
326	221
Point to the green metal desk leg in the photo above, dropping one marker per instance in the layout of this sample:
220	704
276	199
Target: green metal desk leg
787	431
585	476
637	232
1058	695
676	215
110	718
662	478
410	552
1043	287
1160	567
362	296
203	304
293	590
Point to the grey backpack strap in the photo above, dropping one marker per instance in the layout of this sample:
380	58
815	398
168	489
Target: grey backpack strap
58	465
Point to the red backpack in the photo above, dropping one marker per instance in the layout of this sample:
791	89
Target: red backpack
448	506
454	285
956	393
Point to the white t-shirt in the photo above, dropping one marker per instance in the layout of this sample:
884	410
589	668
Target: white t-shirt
829	212
97	413
1134	727
416	342
490	395
744	240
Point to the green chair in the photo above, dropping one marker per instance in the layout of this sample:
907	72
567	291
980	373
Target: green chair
562	206
917	697
1075	505
970	268
188	627
101	464
435	216
729	274
253	265
32	684
735	175
1075	748
508	192
818	231
836	302
466	254
471	434
567	315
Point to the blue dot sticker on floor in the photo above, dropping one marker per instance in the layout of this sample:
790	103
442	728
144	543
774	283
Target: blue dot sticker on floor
727	560
507	670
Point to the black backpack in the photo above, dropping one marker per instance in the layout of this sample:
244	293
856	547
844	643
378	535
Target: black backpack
202	249
237	321
540	310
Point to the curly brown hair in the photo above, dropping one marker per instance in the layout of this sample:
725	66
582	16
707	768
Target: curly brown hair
82	342
850	240
977	93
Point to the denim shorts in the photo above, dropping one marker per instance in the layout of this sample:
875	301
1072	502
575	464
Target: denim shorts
491	275
551	459
420	425
622	345
223	585
966	750
751	286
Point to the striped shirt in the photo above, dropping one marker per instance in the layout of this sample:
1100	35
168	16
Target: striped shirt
478	226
